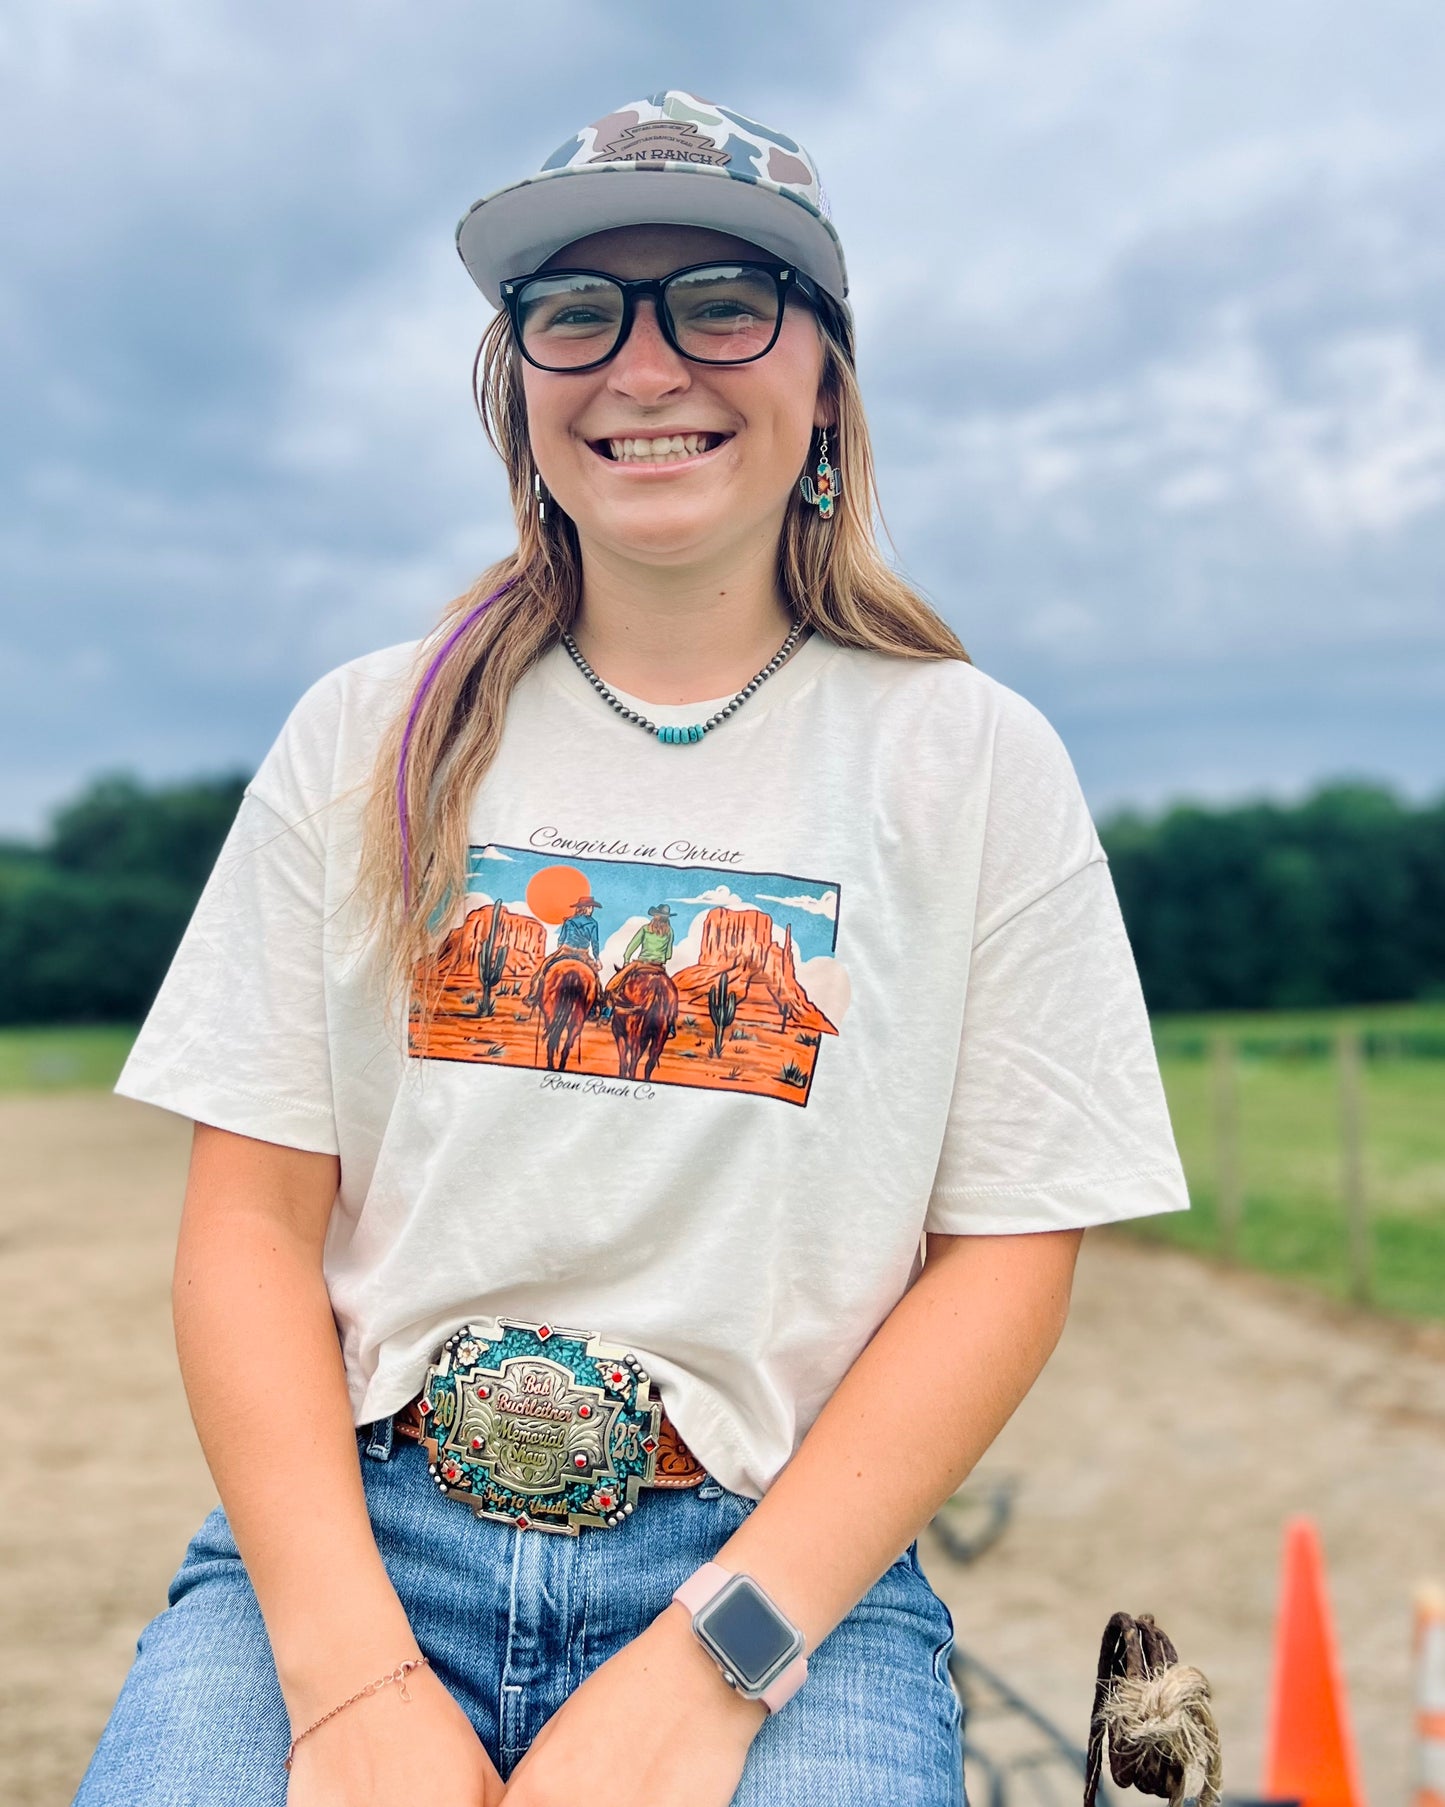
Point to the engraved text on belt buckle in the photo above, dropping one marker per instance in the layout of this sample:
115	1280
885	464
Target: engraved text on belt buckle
540	1427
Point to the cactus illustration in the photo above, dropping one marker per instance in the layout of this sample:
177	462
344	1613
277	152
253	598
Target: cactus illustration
491	962
785	1008
722	1007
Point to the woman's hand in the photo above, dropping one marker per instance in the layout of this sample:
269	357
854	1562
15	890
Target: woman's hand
383	1751
657	1716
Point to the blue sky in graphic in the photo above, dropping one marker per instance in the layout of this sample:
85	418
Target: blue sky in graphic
626	891
1151	302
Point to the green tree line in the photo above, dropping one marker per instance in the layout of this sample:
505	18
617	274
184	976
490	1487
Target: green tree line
1339	899
90	918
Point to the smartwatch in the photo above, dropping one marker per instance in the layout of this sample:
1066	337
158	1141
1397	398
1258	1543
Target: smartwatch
758	1649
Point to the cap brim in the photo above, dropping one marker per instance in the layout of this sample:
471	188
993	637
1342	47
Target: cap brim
514	231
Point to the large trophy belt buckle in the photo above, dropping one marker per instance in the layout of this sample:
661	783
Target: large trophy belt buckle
538	1426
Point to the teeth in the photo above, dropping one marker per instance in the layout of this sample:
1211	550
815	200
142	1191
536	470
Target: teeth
680	445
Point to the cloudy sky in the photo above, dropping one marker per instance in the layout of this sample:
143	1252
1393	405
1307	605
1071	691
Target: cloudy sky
1151	301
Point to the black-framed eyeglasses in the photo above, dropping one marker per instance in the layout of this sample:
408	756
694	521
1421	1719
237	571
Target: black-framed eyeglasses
712	313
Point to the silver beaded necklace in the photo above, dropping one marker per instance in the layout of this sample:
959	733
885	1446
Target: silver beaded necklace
680	735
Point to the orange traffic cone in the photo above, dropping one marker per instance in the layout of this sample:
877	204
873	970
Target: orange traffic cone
1309	1749
1429	1697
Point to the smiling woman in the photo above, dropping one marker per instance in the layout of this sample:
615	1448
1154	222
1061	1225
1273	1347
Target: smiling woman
640	457
656	1043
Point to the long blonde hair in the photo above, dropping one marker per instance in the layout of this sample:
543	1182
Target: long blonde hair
435	752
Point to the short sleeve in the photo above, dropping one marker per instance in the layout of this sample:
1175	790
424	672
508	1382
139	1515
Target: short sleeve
1058	1117
237	1035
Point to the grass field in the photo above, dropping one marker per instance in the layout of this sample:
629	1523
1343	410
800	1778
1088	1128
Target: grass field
1290	1150
61	1059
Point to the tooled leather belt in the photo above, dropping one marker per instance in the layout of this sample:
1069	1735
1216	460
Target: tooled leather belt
544	1428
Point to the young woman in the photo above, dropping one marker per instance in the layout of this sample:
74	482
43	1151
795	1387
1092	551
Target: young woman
655	1046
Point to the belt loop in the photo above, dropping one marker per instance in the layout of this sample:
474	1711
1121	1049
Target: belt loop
379	1444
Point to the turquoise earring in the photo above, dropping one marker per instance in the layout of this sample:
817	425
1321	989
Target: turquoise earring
825	491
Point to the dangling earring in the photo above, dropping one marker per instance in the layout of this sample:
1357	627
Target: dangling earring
540	494
827	488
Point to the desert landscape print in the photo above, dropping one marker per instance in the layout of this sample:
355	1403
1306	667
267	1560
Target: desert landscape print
633	970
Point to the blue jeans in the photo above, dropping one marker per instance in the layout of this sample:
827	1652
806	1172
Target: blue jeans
512	1622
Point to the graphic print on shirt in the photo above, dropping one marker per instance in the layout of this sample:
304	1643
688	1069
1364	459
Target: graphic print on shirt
671	975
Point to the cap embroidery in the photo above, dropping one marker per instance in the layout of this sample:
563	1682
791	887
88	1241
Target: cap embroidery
660	141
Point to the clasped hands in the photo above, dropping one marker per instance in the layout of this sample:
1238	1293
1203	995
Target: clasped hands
657	1713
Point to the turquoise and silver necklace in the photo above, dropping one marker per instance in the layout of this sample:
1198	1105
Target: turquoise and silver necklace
695	731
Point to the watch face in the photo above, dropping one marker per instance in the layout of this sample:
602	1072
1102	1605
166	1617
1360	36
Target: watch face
747	1632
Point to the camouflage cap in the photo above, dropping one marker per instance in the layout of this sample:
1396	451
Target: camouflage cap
703	164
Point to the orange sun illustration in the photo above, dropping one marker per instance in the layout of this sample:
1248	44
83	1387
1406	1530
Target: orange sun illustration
552	893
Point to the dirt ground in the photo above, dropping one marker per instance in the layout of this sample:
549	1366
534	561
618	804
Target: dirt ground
1187	1413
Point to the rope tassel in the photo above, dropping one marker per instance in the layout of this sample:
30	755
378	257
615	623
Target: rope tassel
1154	1713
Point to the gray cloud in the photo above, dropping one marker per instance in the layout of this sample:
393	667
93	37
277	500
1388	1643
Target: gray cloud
1149	303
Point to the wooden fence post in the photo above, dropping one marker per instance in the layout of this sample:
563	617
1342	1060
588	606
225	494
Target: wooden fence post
1352	1163
1226	1146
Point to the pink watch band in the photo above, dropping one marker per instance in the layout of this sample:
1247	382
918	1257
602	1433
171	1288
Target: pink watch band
695	1593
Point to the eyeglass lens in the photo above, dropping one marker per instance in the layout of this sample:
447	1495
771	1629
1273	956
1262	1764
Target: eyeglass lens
723	314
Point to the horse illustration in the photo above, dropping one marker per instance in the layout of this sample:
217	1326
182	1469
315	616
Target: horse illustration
644	1015
565	990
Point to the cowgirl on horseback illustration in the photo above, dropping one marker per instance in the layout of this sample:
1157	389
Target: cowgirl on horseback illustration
653	941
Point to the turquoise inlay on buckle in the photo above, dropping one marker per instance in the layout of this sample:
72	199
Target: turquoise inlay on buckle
540	1427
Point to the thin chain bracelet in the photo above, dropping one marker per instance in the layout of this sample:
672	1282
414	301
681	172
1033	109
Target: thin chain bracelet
397	1675
682	735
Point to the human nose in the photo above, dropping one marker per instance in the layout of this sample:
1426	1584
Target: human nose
645	365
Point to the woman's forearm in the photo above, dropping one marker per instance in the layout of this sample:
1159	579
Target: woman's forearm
264	1377
921	1403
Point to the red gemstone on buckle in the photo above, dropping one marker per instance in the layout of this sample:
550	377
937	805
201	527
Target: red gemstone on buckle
579	1461
522	1521
423	1406
604	1499
484	1392
584	1411
476	1442
649	1444
543	1332
617	1377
